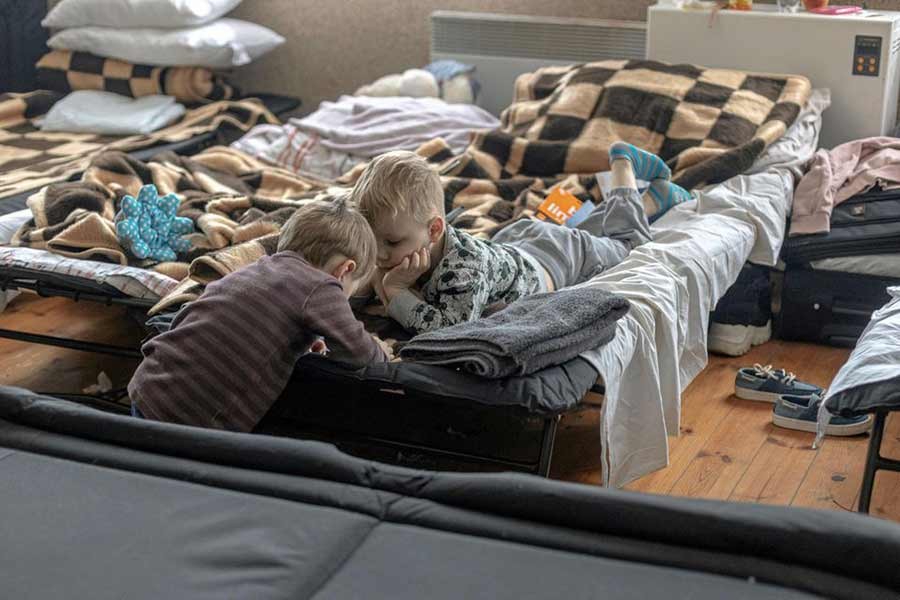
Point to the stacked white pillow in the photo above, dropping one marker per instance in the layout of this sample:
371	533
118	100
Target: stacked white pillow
160	32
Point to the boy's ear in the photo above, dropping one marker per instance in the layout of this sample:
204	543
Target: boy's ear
436	229
345	267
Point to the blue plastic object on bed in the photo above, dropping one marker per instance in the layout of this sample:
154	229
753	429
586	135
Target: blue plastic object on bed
148	227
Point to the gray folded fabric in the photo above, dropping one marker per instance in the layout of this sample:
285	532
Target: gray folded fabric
530	334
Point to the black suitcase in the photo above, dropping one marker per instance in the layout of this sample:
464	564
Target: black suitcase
829	307
832	307
865	224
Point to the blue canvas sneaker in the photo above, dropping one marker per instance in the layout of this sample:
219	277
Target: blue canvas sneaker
768	385
801	413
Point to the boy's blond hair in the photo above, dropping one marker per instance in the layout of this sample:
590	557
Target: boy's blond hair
399	183
327	226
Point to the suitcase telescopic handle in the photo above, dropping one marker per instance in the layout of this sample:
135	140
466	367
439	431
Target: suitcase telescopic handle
856	312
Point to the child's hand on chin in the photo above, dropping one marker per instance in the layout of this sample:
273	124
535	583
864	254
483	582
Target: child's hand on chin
404	276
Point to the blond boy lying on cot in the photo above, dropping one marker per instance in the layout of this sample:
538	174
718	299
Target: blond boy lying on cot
430	275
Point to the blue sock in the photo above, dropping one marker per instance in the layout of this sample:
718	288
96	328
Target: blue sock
665	195
647	167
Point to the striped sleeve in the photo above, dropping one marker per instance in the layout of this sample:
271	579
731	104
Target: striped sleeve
327	313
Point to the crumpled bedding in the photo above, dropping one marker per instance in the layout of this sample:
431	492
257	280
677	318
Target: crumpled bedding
367	126
871	376
673	282
30	159
340	135
295	150
707	124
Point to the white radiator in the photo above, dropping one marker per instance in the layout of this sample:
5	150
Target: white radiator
502	47
856	56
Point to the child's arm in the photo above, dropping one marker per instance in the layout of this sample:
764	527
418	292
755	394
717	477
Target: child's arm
327	313
462	296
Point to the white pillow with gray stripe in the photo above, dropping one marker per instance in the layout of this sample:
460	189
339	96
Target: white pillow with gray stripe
221	44
136	13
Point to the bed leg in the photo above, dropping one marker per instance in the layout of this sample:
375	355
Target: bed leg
551	424
48	340
874	461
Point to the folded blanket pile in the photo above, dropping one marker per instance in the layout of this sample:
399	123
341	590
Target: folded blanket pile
93	111
530	334
66	71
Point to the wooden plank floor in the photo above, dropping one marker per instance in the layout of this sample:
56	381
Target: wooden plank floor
728	448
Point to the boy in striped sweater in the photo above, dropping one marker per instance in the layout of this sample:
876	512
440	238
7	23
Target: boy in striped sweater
230	353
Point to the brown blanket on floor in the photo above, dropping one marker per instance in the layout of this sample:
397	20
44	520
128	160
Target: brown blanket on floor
707	124
31	158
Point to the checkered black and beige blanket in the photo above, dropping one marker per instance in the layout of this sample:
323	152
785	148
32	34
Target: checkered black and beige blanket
66	71
707	124
31	158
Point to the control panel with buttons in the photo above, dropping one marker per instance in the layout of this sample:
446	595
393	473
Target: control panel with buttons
867	56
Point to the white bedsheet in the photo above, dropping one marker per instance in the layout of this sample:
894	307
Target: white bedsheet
132	281
673	282
100	112
877	356
10	223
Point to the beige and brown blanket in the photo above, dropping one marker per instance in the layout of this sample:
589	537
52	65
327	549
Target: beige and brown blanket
65	71
31	158
708	124
231	198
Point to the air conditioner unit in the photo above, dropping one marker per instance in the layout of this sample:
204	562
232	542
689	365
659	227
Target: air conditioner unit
855	56
502	47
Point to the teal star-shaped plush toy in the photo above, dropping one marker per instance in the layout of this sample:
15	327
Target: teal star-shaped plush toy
148	228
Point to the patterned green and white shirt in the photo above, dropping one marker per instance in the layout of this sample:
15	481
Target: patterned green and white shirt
472	275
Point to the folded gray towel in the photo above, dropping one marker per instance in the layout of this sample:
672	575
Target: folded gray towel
530	334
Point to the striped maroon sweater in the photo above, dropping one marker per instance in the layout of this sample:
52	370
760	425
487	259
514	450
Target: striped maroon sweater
231	352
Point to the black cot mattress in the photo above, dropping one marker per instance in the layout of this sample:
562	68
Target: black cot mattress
418	415
554	390
551	391
105	506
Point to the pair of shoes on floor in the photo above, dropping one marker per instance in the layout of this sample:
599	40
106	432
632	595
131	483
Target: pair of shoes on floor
796	403
743	316
802	413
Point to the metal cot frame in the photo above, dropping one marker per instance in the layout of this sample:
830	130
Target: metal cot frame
417	453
